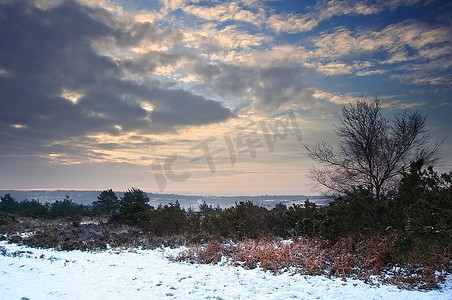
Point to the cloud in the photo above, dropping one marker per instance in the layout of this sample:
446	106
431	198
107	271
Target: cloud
396	39
394	4
398	104
334	68
178	107
291	23
170	5
269	87
221	42
334	98
57	84
390	102
371	72
150	62
228	11
323	10
410	45
280	85
259	14
420	78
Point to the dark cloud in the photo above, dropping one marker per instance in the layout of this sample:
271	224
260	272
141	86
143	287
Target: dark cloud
45	53
271	86
149	61
279	85
146	31
183	108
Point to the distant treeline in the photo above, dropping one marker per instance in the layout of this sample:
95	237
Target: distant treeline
86	197
35	209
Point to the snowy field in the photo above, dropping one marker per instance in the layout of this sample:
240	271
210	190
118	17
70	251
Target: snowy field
29	273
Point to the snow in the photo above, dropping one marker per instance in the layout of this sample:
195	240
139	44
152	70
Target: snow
149	274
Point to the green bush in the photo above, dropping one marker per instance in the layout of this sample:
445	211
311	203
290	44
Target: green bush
356	212
6	219
8	204
206	209
107	202
164	221
242	220
281	225
133	201
304	219
66	208
421	213
33	209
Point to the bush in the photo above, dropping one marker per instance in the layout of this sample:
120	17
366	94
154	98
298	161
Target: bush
206	209
66	208
281	225
242	220
6	219
107	202
133	201
356	212
421	213
8	204
32	209
163	221
305	219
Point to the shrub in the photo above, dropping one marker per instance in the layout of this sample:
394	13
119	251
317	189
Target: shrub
107	202
133	201
8	204
242	220
6	219
66	208
356	212
165	220
304	219
33	209
206	209
421	213
281	225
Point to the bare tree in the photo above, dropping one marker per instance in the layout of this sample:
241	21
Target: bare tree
371	150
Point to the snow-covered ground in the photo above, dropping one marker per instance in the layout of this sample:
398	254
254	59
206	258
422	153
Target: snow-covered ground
148	274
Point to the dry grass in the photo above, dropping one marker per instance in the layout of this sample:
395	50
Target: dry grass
90	235
308	256
361	257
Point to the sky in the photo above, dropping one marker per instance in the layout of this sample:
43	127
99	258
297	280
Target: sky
206	97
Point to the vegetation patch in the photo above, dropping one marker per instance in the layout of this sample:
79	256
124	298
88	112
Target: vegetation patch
371	259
